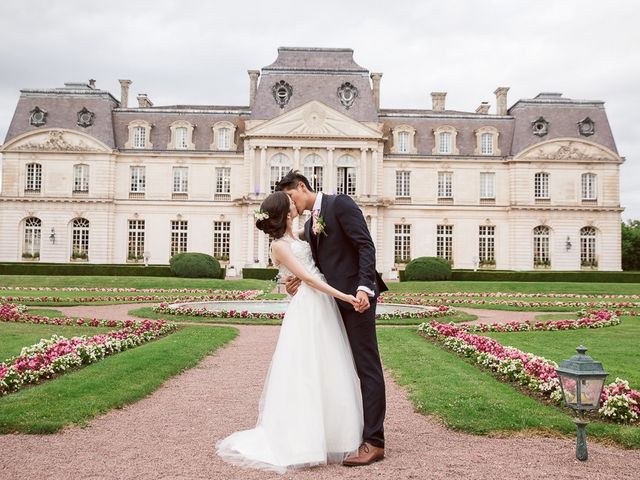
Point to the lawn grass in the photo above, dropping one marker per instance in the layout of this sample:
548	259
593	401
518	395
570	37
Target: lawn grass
545	317
468	399
147	312
121	379
14	336
46	312
616	347
520	287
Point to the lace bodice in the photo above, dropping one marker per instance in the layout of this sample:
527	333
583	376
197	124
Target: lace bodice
302	252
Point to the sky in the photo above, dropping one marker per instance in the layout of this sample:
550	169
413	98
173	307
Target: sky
198	52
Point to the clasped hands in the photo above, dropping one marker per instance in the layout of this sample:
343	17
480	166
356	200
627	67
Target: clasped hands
360	302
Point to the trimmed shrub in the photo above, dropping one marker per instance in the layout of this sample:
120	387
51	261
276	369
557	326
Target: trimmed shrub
260	273
427	268
545	276
85	269
195	265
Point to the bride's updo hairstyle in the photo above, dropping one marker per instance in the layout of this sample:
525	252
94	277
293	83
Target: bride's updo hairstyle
272	218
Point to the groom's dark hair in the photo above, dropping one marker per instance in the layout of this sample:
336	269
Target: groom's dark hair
291	180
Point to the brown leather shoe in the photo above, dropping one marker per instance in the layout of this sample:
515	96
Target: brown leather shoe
367	454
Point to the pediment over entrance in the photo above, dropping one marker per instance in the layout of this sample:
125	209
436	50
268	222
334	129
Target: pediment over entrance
58	140
314	119
568	149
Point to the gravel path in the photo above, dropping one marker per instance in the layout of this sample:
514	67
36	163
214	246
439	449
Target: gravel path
503	316
171	435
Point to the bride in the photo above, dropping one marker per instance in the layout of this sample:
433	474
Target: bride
311	406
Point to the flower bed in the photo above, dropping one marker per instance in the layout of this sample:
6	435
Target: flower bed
59	354
507	294
620	403
126	290
164	308
589	319
212	297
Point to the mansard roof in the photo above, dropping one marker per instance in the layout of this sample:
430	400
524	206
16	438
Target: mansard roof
304	59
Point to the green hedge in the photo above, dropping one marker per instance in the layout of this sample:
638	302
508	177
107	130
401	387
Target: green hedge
428	268
89	269
260	273
194	265
545	276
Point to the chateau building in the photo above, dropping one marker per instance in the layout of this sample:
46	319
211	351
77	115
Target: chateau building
88	178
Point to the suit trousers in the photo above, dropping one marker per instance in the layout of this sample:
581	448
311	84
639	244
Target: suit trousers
361	331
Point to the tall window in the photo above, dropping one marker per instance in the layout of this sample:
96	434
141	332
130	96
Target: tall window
178	237
346	175
486	244
487	185
180	179
588	247
444	242
139	137
33	179
221	240
81	178
223	180
181	138
80	238
135	248
314	171
224	138
445	185
541	246
589	186
403	142
541	185
403	183
402	243
487	144
138	179
32	235
280	165
445	143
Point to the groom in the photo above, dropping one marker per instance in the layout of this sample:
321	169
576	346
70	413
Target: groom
344	252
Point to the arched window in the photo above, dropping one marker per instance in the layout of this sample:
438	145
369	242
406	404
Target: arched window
588	256
346	175
487	141
445	141
487	144
139	135
80	178
181	138
80	238
33	178
314	171
32	235
280	165
541	256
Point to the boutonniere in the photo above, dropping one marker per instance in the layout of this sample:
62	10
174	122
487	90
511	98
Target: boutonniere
318	225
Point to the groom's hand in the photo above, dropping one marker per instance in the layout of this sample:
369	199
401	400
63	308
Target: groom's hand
291	284
363	300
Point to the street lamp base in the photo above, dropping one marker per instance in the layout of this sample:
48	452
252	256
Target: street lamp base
581	439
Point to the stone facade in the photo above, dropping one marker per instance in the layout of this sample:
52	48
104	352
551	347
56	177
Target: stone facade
86	177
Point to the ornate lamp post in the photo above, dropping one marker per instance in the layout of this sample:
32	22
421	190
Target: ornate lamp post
581	380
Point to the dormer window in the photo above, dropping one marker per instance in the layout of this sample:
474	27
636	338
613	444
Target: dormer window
139	135
403	139
487	141
37	117
181	136
445	140
223	136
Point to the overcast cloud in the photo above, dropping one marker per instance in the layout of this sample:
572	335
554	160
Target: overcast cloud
198	52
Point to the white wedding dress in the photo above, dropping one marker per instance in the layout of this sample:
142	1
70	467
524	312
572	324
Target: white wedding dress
311	405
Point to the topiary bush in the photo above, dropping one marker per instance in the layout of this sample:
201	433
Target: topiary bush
427	268
195	265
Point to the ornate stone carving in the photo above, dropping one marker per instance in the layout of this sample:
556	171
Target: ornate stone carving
347	94
282	93
37	117
57	142
586	127
85	118
540	127
566	152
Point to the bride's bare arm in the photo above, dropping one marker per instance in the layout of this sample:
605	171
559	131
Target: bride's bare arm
283	255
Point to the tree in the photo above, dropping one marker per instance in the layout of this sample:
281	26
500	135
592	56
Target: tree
631	245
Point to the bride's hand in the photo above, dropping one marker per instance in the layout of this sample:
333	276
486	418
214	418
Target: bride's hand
352	300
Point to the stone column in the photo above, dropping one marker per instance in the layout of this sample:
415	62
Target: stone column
251	231
296	158
252	173
264	172
375	84
124	93
330	177
364	188
374	172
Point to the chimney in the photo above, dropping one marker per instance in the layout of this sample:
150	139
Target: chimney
501	100
437	99
253	85
483	109
92	83
143	101
375	82
124	93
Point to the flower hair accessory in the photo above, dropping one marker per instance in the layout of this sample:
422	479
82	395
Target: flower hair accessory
260	215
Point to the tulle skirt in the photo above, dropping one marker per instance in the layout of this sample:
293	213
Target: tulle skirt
311	405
